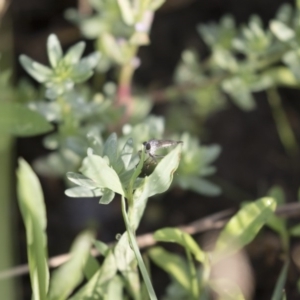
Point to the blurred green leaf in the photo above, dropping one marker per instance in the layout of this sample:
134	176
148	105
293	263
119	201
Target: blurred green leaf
127	11
19	120
32	206
173	264
107	196
91	267
175	235
74	53
38	71
243	227
279	293
66	278
115	289
54	50
83	192
282	31
97	285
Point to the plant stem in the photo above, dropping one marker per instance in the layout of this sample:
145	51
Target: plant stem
193	276
137	253
283	126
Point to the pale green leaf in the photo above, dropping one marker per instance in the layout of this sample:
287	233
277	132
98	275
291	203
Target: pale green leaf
226	289
282	31
66	278
95	287
74	54
96	168
126	11
32	206
83	192
54	50
38	71
175	235
19	120
107	196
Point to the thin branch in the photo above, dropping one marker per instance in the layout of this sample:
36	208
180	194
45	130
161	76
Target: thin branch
211	222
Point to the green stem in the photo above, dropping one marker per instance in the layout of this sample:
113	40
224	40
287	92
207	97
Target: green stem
137	253
193	275
284	128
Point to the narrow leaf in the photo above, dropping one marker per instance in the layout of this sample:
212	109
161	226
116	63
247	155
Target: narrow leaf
244	226
83	192
74	54
66	278
175	235
38	71
126	11
31	202
278	293
54	50
107	196
173	264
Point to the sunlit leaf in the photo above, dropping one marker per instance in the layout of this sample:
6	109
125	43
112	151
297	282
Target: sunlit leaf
243	227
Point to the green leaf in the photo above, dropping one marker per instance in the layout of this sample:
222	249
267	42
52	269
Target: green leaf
66	278
239	92
81	180
115	289
295	230
83	192
198	185
175	235
110	149
32	206
96	168
38	71
74	54
282	31
158	182
123	253
126	11
21	121
101	247
243	227
278	293
54	50
107	196
94	288
173	264
91	267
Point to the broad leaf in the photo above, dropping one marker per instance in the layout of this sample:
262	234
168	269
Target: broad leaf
96	168
21	121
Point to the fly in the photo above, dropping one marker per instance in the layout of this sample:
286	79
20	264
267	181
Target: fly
153	145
